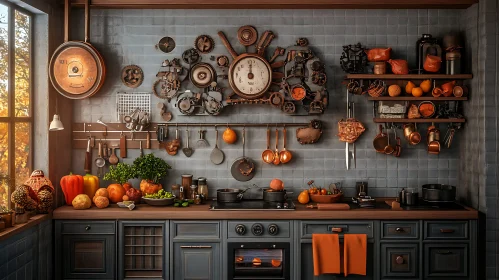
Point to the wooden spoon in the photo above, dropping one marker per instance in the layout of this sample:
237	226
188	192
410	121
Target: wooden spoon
285	155
268	155
277	160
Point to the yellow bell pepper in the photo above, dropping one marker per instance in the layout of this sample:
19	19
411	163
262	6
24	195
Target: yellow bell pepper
90	185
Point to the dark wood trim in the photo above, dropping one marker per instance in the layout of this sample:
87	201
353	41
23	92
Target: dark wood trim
18	228
412	98
201	212
380	120
67	14
409	77
284	4
11	99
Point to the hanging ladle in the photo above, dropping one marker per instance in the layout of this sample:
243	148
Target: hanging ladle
268	154
100	161
285	155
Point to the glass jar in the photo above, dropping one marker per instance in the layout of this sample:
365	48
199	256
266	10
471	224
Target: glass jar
181	194
197	200
193	192
202	188
176	190
186	183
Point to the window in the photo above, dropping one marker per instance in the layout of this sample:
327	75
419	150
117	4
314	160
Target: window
16	112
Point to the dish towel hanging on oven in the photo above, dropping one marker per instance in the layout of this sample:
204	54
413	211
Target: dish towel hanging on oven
354	254
326	252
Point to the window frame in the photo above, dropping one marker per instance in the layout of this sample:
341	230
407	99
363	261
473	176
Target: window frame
11	119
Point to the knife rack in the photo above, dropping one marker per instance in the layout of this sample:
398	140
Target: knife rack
82	131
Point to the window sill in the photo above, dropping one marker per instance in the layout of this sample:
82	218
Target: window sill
18	228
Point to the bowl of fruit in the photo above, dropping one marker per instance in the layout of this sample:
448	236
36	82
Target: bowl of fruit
161	198
333	194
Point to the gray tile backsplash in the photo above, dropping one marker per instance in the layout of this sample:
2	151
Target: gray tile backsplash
128	37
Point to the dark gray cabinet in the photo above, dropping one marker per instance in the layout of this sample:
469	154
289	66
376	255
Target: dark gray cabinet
399	260
196	261
87	250
446	260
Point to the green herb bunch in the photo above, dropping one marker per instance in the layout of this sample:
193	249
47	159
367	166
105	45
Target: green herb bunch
151	168
121	173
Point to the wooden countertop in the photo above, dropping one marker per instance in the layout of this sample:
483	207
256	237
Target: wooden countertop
202	212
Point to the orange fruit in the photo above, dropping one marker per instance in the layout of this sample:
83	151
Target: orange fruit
229	136
417	92
408	88
116	192
277	185
394	90
275	263
126	198
425	86
101	192
304	197
101	202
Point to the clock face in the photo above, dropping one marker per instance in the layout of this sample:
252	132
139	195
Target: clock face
250	76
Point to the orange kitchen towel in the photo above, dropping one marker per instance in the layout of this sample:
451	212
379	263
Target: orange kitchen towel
354	254
326	252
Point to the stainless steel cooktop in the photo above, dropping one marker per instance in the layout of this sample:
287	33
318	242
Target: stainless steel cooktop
256	205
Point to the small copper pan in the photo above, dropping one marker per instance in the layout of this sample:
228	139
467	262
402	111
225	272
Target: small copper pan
268	154
380	141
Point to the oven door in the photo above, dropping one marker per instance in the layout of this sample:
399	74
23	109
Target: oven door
258	260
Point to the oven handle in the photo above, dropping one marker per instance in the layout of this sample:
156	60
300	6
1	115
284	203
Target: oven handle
196	247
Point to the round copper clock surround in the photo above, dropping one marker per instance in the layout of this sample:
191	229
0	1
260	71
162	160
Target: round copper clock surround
231	75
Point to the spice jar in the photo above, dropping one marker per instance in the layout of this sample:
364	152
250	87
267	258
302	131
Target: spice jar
202	188
181	194
193	191
186	183
197	200
176	190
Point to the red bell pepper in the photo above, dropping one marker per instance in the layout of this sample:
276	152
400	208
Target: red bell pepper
72	185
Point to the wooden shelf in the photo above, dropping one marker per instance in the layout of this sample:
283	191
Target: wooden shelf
274	4
380	120
412	98
409	77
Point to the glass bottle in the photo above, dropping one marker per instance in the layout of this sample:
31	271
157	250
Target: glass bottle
197	200
202	188
186	183
181	194
193	192
176	190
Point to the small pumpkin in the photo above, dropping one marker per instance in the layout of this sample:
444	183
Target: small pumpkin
277	185
229	136
417	92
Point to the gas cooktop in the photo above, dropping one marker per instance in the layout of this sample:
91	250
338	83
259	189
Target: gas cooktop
423	205
255	205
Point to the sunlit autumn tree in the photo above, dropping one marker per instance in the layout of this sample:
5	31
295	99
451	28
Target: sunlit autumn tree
22	56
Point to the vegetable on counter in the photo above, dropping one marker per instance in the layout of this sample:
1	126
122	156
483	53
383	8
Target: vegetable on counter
90	185
120	173
81	202
151	170
159	195
72	185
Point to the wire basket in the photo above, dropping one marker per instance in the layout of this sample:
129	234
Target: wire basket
127	102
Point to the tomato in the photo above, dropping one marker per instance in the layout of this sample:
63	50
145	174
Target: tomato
323	192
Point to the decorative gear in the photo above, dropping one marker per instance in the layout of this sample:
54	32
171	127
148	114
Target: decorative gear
212	106
204	44
202	75
319	78
190	56
316	107
167	86
223	61
166	44
276	99
247	35
132	76
289	107
302	42
186	105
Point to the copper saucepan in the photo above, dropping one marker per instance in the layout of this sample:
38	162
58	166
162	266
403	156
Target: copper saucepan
411	134
268	154
381	142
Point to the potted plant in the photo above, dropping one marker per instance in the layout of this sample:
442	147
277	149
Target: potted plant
7	216
120	173
151	170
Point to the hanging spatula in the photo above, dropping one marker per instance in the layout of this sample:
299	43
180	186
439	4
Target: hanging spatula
187	150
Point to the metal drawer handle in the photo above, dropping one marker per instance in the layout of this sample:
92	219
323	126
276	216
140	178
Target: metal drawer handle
196	247
399	229
447	230
336	229
87	228
444	252
399	260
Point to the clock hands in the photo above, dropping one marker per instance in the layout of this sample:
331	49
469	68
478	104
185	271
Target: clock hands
250	73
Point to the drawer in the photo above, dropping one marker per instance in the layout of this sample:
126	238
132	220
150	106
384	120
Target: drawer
339	227
448	260
283	229
90	227
195	230
399	230
399	261
446	230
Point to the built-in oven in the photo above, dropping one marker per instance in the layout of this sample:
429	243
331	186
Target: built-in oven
259	260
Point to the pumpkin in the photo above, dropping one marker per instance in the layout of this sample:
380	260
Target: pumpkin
399	66
134	194
394	90
304	197
71	185
90	185
148	187
116	192
229	136
277	185
417	92
408	88
101	202
81	202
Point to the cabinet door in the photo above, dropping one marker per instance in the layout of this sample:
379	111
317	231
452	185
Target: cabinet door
196	261
307	265
399	261
88	256
446	260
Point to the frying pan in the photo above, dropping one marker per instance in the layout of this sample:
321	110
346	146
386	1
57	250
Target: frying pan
380	141
243	168
77	69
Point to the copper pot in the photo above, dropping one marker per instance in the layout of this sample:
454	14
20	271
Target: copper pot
411	134
379	68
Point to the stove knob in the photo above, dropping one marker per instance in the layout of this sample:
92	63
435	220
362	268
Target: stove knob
257	229
273	229
240	229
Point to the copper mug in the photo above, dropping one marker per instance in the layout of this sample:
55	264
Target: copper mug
433	140
460	91
411	134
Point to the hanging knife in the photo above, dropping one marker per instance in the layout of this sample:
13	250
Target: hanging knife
88	158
